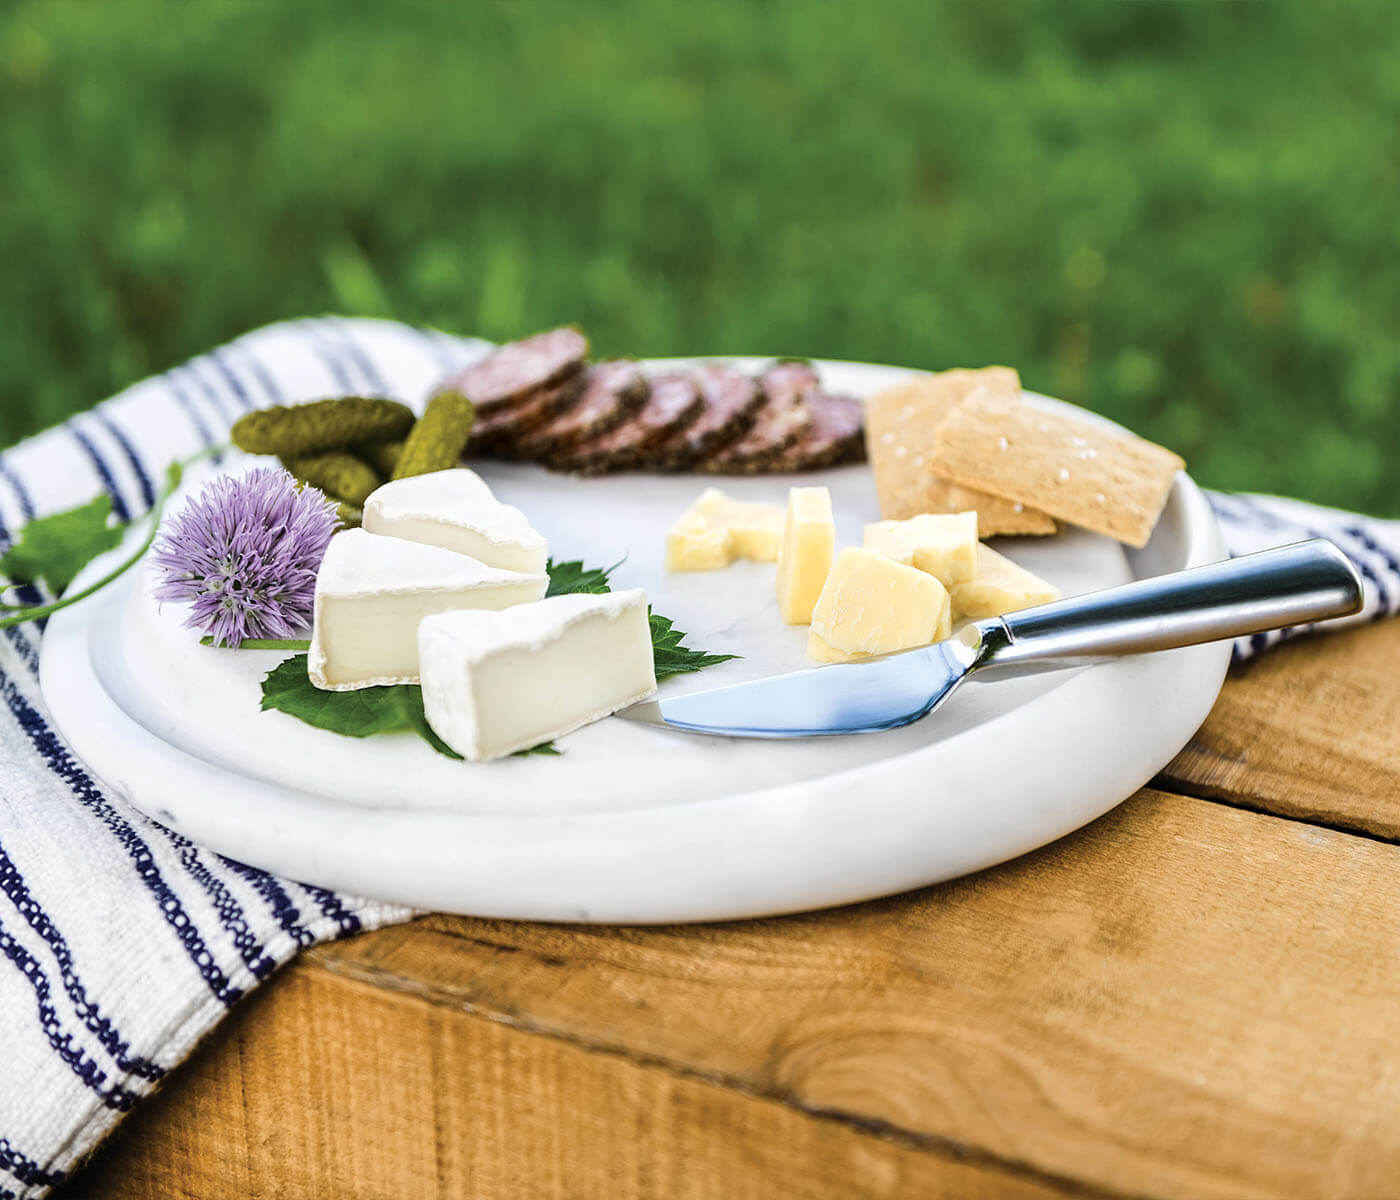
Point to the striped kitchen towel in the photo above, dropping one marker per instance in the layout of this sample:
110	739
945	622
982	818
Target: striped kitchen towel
1249	523
124	943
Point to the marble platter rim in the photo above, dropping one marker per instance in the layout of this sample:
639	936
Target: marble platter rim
1004	788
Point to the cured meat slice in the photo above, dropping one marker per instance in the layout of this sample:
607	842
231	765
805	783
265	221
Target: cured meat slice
731	399
674	405
835	435
516	370
612	392
790	377
778	424
502	426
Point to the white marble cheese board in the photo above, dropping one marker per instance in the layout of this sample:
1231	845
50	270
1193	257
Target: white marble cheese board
633	823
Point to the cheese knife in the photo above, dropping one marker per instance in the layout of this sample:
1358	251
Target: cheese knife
1291	585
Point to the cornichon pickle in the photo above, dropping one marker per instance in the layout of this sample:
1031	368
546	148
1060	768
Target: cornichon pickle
293	431
382	456
436	442
338	473
350	516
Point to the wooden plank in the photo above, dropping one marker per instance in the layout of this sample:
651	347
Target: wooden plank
326	1086
1311	731
1184	999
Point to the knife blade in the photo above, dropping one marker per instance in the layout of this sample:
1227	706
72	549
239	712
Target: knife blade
864	697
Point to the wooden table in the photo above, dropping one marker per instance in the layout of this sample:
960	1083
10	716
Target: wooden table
1197	995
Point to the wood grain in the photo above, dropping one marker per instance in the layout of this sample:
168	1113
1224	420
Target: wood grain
1183	1000
327	1087
1311	731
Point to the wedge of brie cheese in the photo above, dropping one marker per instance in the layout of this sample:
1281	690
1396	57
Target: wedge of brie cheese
456	511
495	683
1000	587
874	605
805	557
943	544
371	593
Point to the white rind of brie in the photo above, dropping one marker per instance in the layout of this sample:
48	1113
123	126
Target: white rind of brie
498	682
371	593
456	510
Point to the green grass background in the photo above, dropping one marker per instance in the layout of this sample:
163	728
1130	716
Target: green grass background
1186	216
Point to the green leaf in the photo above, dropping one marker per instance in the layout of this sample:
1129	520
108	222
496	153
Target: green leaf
173	474
672	657
394	709
569	577
548	748
55	548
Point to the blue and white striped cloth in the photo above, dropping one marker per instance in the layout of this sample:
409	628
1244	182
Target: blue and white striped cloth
123	942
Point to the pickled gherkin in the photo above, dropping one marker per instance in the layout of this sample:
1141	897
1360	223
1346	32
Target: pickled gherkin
338	473
382	456
436	442
294	431
350	516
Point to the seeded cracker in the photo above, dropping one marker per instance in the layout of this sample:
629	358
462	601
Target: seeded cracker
899	432
1109	482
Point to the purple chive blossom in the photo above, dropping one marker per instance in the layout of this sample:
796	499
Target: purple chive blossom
244	553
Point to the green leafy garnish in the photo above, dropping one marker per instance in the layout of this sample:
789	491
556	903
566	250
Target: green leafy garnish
53	549
35	612
399	708
671	657
568	578
394	709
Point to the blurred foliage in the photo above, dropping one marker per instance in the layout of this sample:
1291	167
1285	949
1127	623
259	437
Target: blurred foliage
1184	216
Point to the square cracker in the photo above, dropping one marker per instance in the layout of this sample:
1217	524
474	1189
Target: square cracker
1113	483
899	431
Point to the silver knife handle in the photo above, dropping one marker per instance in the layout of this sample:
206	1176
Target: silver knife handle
1305	581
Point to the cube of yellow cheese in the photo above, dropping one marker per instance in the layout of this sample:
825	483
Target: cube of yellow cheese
999	587
818	649
716	530
805	558
943	544
874	605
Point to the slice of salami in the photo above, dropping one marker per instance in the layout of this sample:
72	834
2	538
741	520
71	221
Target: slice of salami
835	435
791	377
518	369
779	423
731	399
612	392
501	428
674	404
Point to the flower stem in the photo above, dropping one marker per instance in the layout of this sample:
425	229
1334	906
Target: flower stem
173	474
300	644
